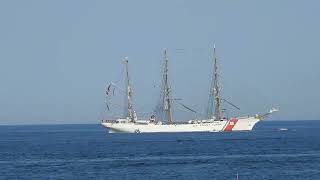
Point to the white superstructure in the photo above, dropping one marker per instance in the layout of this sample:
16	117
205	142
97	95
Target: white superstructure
215	121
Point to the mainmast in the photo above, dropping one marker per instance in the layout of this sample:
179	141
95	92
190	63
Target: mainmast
215	94
131	113
167	91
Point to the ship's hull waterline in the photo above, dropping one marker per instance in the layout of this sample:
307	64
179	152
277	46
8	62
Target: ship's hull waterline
244	124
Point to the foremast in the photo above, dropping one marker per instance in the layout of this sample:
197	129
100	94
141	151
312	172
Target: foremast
130	111
167	90
215	91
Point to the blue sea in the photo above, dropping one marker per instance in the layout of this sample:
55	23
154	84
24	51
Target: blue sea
88	152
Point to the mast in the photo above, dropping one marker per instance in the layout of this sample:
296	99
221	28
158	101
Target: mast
131	113
215	94
167	91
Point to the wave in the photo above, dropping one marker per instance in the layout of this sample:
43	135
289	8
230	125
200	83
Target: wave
171	158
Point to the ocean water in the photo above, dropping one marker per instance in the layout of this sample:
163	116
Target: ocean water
88	152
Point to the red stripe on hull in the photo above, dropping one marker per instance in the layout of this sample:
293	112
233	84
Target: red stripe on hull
231	124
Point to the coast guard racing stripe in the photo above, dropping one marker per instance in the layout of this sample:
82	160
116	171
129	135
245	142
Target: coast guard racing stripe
231	124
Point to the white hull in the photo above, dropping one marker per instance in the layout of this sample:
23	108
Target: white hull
245	124
241	124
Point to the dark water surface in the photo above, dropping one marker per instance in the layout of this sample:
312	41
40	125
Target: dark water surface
87	152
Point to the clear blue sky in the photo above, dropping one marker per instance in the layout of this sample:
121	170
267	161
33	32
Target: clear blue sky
57	57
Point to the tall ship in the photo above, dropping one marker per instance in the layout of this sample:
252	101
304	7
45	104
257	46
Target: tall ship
164	123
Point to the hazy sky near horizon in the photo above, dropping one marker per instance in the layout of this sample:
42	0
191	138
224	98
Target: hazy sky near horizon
57	57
